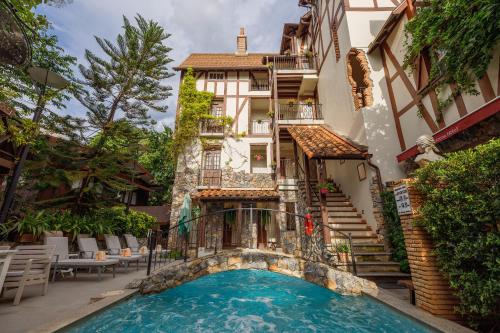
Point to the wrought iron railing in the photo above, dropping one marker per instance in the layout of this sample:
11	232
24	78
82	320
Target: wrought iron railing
249	228
210	177
211	127
292	62
299	111
259	85
260	127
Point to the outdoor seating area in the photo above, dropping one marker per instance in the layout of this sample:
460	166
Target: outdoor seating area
33	265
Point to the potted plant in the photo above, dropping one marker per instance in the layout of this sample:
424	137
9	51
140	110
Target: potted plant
324	188
309	102
270	114
343	251
32	226
291	102
259	121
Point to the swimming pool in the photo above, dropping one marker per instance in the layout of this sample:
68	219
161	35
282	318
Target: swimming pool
249	301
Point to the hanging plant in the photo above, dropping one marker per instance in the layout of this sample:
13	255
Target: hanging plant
259	157
309	101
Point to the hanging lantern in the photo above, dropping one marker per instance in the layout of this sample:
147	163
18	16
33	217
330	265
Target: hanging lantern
15	46
308	224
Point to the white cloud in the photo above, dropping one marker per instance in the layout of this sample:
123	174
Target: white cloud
195	25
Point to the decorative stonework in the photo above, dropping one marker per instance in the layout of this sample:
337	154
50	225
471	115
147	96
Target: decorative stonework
361	97
241	179
320	274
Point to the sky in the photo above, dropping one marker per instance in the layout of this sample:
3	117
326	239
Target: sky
196	26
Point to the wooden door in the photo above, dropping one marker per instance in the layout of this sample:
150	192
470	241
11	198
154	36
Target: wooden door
261	232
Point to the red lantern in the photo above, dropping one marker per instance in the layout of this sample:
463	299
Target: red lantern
308	224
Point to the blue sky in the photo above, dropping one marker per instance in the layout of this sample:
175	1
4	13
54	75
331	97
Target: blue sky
195	25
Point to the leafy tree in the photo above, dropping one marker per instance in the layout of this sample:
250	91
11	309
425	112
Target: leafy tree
460	36
157	158
127	84
461	212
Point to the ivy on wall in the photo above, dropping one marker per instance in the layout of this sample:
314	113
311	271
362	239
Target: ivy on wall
459	36
194	107
394	230
461	212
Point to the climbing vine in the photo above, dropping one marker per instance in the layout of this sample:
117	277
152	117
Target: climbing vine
459	36
194	107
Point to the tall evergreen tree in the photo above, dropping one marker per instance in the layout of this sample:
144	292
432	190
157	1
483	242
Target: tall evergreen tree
126	85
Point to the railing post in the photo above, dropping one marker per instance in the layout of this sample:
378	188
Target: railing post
186	241
150	254
353	257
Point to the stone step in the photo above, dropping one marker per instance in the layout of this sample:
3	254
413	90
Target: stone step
377	266
355	233
346	219
350	227
331	199
346	209
336	214
368	247
364	239
372	256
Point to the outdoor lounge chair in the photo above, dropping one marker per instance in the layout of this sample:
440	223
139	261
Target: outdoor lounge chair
29	266
88	248
63	259
133	244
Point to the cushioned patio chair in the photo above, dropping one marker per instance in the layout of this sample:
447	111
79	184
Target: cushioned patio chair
63	259
29	266
88	249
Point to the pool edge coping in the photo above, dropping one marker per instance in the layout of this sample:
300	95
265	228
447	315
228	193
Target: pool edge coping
434	322
85	312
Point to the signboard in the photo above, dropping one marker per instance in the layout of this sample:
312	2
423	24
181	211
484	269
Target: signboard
402	200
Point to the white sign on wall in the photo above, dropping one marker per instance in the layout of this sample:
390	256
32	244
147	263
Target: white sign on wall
402	200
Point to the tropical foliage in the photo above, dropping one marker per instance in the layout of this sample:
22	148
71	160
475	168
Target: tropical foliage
461	212
394	231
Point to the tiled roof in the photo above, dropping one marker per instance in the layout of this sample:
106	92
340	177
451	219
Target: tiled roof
236	194
224	61
319	142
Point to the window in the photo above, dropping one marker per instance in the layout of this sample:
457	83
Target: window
211	174
290	216
218	76
258	159
217	108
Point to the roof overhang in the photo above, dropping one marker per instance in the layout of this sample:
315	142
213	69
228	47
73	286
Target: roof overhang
319	142
460	125
236	194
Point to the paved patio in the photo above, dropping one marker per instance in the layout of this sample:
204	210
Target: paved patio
64	297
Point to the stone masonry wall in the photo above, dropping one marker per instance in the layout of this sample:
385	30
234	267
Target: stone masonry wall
432	289
241	179
320	274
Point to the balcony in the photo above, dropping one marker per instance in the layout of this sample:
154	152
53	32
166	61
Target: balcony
259	85
210	178
211	127
260	127
300	113
293	62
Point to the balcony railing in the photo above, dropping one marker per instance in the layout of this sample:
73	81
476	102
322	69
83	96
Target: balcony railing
300	111
211	127
293	62
259	85
260	127
210	177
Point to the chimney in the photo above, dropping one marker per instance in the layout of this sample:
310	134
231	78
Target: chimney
241	43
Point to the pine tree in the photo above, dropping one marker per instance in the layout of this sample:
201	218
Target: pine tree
126	85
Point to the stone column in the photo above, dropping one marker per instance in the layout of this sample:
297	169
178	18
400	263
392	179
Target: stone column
432	288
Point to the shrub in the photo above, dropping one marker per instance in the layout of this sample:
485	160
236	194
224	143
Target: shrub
461	212
395	231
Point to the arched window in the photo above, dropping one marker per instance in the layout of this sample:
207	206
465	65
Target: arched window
358	74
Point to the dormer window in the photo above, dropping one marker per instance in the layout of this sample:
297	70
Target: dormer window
216	76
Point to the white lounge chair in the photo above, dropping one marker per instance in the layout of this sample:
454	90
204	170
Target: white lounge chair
63	259
30	265
88	248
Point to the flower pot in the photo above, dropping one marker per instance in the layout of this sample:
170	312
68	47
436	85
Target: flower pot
323	191
100	238
343	257
26	238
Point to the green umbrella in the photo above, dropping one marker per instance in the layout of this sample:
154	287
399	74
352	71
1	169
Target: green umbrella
185	216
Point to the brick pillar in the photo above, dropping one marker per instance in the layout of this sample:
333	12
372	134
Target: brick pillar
432	289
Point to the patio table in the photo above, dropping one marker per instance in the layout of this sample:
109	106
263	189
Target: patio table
5	258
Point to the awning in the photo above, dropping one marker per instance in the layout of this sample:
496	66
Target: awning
319	142
236	194
485	111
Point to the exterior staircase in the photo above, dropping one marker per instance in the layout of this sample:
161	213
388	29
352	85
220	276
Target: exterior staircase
373	262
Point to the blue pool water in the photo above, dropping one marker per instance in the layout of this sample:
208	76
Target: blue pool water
249	301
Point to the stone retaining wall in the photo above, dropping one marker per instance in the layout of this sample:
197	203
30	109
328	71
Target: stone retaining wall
318	273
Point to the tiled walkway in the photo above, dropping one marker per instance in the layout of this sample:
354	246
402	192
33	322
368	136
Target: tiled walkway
63	298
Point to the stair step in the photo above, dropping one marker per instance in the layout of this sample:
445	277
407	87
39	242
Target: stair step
339	209
351	227
383	274
377	266
372	256
356	233
331	199
339	214
346	219
368	247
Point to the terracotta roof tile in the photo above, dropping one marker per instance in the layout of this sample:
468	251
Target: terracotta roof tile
319	142
224	61
236	194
